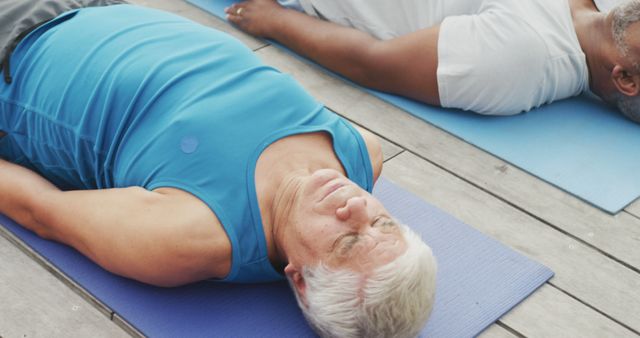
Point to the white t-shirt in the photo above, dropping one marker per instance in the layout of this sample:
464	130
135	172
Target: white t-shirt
496	57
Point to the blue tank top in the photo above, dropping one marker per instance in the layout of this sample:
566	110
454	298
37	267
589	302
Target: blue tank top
127	96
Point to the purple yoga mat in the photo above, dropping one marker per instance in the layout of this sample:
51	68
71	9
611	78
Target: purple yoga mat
479	280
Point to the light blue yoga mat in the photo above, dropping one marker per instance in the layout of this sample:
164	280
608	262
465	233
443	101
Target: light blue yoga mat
580	145
478	281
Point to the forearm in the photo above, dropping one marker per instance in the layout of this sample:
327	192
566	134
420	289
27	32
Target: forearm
156	238
342	49
20	191
406	65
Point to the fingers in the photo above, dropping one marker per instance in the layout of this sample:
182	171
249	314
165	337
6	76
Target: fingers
235	11
256	17
231	11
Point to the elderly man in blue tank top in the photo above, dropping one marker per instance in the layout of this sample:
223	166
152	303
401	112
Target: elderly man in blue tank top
498	57
168	153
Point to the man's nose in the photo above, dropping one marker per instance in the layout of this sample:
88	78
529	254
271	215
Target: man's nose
355	211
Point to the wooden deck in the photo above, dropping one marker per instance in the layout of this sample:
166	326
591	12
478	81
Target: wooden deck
596	256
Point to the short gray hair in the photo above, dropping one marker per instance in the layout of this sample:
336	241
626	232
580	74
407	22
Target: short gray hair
393	301
624	16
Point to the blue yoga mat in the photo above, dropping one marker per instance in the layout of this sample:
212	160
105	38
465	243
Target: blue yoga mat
580	145
479	280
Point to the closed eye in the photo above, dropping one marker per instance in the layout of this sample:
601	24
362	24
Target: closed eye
384	222
345	242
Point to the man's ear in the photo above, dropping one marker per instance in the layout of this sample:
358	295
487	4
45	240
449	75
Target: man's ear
626	82
298	282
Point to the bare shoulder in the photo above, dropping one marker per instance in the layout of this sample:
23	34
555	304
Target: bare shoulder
375	150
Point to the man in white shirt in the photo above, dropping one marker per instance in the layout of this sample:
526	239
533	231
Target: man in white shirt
496	57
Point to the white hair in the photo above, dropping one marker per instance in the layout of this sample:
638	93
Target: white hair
395	300
624	16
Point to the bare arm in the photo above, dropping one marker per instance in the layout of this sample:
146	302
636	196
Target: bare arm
163	238
406	65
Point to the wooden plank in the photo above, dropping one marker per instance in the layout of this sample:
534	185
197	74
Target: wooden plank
634	208
130	329
496	331
389	150
54	271
35	303
618	236
194	13
581	271
551	313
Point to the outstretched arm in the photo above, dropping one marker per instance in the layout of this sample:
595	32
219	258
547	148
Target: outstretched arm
406	65
164	239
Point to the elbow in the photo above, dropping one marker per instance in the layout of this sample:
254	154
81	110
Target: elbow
371	66
367	67
40	217
380	66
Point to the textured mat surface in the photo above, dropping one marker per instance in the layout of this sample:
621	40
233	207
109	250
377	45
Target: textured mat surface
479	280
579	145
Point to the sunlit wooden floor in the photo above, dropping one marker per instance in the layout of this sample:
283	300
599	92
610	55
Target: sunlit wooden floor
596	256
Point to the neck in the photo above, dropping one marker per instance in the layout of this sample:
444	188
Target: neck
282	204
593	29
280	174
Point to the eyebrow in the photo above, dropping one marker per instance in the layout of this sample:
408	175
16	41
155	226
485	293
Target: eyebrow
340	240
352	240
389	221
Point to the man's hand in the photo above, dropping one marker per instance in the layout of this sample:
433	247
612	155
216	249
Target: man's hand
256	17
